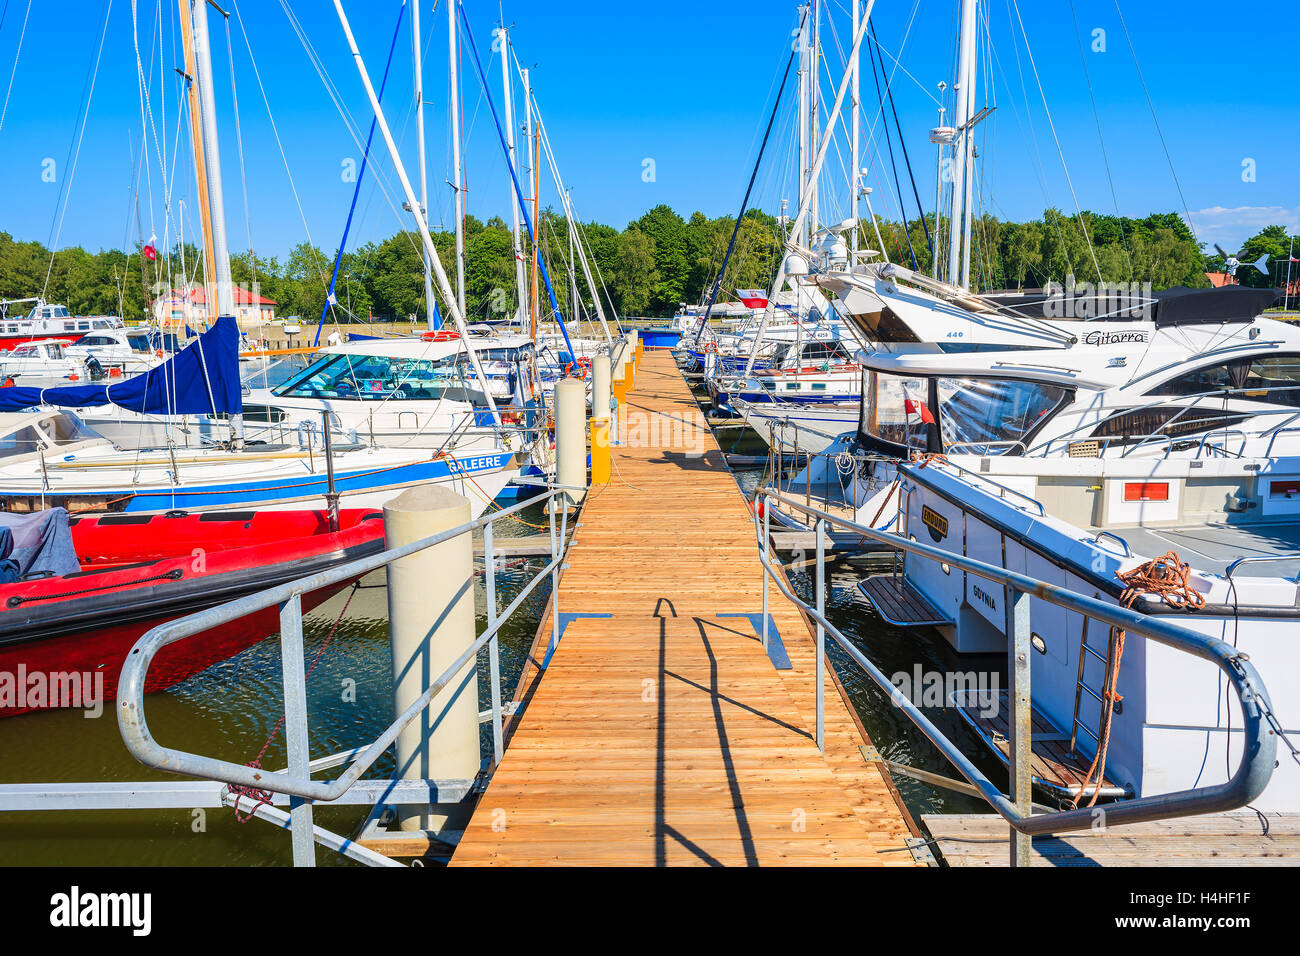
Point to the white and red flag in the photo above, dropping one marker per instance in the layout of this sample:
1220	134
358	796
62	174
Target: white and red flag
914	406
753	298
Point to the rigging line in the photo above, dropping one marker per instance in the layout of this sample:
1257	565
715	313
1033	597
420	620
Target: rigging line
74	151
744	203
893	165
1039	168
1105	158
257	74
1083	226
356	192
514	179
1151	106
22	34
889	93
243	174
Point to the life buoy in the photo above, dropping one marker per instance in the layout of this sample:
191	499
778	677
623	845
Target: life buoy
583	365
710	347
441	335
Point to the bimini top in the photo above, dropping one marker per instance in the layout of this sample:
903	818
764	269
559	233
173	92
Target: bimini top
1177	306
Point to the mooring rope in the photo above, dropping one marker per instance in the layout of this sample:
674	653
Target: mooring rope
1167	578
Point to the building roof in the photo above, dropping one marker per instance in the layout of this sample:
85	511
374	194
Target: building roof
198	295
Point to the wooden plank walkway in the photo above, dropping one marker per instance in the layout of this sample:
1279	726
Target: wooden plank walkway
1222	839
661	733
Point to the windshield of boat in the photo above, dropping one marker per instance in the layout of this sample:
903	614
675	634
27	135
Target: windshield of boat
988	416
372	378
54	431
891	408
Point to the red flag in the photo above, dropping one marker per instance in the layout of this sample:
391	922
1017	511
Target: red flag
753	298
914	406
150	253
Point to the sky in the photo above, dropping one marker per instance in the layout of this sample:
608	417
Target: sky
644	103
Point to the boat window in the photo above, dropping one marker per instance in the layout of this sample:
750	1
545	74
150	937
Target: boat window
371	378
986	416
1274	379
889	410
824	350
21	442
1173	421
66	428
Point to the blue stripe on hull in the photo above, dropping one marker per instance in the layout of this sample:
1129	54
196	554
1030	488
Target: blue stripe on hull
251	494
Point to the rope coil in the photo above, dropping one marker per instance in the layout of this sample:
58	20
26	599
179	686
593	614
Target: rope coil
1165	577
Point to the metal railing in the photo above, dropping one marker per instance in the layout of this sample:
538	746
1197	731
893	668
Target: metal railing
1259	740
296	782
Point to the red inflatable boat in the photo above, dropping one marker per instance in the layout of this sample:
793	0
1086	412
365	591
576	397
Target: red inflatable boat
67	632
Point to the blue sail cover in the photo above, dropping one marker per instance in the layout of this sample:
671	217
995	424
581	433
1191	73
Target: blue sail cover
202	378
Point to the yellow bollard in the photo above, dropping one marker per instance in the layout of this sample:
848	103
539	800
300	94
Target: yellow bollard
599	450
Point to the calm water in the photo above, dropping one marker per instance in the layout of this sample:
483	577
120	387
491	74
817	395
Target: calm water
229	710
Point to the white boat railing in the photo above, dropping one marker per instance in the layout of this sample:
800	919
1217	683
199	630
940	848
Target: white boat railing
1259	733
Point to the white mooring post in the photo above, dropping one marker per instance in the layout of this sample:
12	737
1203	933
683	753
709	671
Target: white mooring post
431	623
601	406
571	439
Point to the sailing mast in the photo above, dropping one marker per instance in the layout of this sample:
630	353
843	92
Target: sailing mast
963	152
855	146
530	139
457	161
418	66
503	40
207	157
200	171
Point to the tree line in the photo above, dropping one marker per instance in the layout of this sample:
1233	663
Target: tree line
649	268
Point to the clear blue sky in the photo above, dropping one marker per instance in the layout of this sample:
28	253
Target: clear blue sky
685	84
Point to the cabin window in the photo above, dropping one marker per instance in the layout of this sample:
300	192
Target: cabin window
889	408
372	378
21	442
1171	421
1271	379
985	416
65	429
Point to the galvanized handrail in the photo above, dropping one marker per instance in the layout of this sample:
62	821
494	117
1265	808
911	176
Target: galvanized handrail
130	691
1259	742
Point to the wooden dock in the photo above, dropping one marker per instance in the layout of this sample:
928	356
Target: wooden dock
660	732
1220	839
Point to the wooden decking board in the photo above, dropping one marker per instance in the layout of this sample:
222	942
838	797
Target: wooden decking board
663	734
1223	839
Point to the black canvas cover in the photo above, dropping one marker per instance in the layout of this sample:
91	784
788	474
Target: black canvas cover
1230	303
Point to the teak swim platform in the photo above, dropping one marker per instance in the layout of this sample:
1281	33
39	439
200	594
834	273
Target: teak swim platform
660	732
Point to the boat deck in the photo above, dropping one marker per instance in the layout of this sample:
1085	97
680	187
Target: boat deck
660	732
1220	839
1214	546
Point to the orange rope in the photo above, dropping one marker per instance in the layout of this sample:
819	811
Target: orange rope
1167	578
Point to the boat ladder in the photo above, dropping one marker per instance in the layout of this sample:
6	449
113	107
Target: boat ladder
1082	686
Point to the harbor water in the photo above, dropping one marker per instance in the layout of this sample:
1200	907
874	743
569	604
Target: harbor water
230	711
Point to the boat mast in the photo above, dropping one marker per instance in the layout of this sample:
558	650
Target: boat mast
855	174
200	170
212	160
503	41
535	148
963	150
216	247
457	160
418	66
814	104
444	285
802	236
